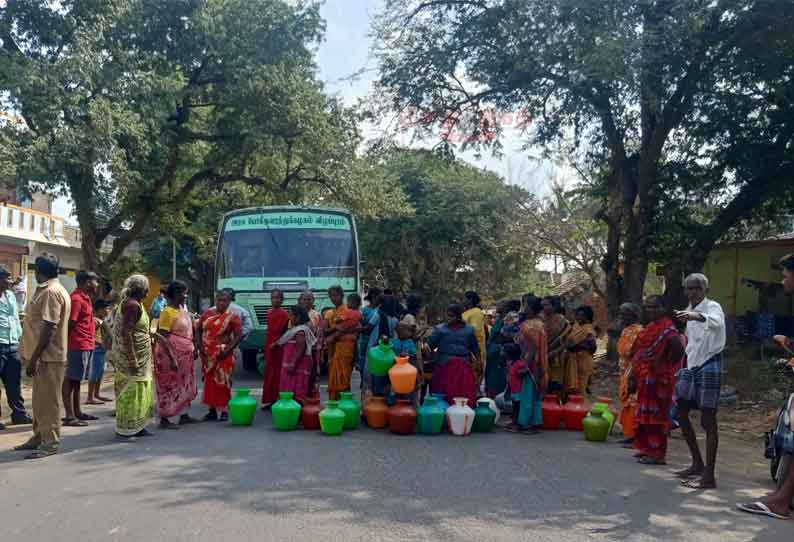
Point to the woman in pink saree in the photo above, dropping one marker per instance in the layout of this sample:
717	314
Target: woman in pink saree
297	366
175	373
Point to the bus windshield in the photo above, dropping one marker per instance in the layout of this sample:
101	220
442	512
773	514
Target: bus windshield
287	253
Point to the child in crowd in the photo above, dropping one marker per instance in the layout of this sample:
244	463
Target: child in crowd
516	370
102	346
511	326
405	345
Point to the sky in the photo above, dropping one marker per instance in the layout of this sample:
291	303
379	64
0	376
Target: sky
346	51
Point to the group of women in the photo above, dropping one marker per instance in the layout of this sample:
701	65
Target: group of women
650	357
530	349
553	355
169	367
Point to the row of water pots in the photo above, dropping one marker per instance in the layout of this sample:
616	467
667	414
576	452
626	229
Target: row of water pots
333	419
433	417
402	418
596	422
336	417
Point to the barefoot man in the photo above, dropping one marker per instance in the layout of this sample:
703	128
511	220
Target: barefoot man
699	384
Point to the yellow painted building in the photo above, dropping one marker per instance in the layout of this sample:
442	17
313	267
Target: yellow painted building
745	278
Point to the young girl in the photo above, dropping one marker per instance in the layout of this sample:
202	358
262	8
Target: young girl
516	371
297	361
102	340
405	345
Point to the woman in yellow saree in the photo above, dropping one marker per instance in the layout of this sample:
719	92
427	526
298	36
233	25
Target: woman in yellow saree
581	346
132	357
475	317
630	314
557	330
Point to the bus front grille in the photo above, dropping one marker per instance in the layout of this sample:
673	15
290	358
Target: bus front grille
261	314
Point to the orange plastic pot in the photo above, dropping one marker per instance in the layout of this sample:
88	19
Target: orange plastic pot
403	376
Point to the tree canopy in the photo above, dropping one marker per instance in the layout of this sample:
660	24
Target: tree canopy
667	104
458	232
131	105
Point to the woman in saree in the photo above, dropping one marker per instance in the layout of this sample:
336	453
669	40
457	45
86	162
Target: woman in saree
630	314
581	346
277	324
495	367
219	332
317	325
132	358
382	325
297	363
658	351
474	316
529	376
557	329
342	323
174	369
373	300
457	350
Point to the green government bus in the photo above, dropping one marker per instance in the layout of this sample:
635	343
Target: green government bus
292	248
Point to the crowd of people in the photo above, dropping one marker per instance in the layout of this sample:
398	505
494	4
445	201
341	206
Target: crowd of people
670	362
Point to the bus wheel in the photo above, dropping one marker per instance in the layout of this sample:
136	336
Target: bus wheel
249	361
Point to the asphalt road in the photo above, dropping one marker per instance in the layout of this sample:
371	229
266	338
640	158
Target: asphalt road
217	482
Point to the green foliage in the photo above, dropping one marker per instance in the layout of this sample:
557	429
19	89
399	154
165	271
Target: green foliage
131	105
459	234
681	110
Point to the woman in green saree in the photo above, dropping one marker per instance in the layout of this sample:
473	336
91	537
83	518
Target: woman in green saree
132	357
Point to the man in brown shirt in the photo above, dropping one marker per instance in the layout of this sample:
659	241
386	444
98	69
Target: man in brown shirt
45	337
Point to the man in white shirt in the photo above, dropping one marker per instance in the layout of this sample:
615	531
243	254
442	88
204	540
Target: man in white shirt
699	384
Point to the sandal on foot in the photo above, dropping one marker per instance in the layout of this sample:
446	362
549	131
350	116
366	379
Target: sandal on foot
224	417
691	472
647	460
27	447
74	422
697	483
166	424
41	454
760	509
87	417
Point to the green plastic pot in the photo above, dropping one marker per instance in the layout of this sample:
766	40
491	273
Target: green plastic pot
596	427
242	407
286	412
603	408
332	419
380	359
430	417
484	417
351	408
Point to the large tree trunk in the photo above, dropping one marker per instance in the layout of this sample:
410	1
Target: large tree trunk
611	264
89	249
81	186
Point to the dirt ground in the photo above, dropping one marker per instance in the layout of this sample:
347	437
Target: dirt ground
745	419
